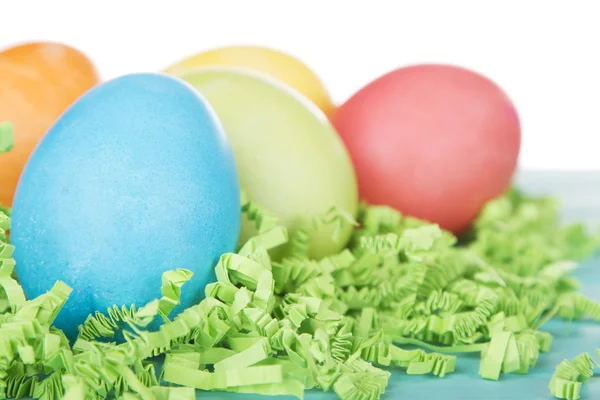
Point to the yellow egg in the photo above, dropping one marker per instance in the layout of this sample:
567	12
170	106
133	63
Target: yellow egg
289	158
271	62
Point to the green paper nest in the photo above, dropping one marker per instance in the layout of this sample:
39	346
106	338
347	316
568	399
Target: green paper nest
336	324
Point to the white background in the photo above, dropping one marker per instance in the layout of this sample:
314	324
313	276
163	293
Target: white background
545	54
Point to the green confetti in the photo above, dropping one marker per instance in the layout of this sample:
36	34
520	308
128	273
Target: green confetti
336	324
569	377
494	355
7	140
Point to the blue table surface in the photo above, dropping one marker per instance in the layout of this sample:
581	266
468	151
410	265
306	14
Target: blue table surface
579	193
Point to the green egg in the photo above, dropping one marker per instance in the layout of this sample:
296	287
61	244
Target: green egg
290	159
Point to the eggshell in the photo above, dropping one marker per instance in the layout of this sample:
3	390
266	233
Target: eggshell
433	141
277	64
135	179
290	159
38	81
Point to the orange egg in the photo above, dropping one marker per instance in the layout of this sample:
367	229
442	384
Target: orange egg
38	81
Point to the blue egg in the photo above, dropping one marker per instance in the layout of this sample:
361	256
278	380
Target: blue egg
136	178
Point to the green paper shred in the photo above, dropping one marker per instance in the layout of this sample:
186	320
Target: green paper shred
7	140
281	327
569	377
493	356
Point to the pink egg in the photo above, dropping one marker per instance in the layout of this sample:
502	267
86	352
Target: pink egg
433	141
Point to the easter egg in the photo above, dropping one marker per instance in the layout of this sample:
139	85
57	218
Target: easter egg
290	160
274	63
38	81
136	178
433	141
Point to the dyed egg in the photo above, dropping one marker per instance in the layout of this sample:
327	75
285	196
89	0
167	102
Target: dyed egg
136	178
38	81
276	64
290	160
433	141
